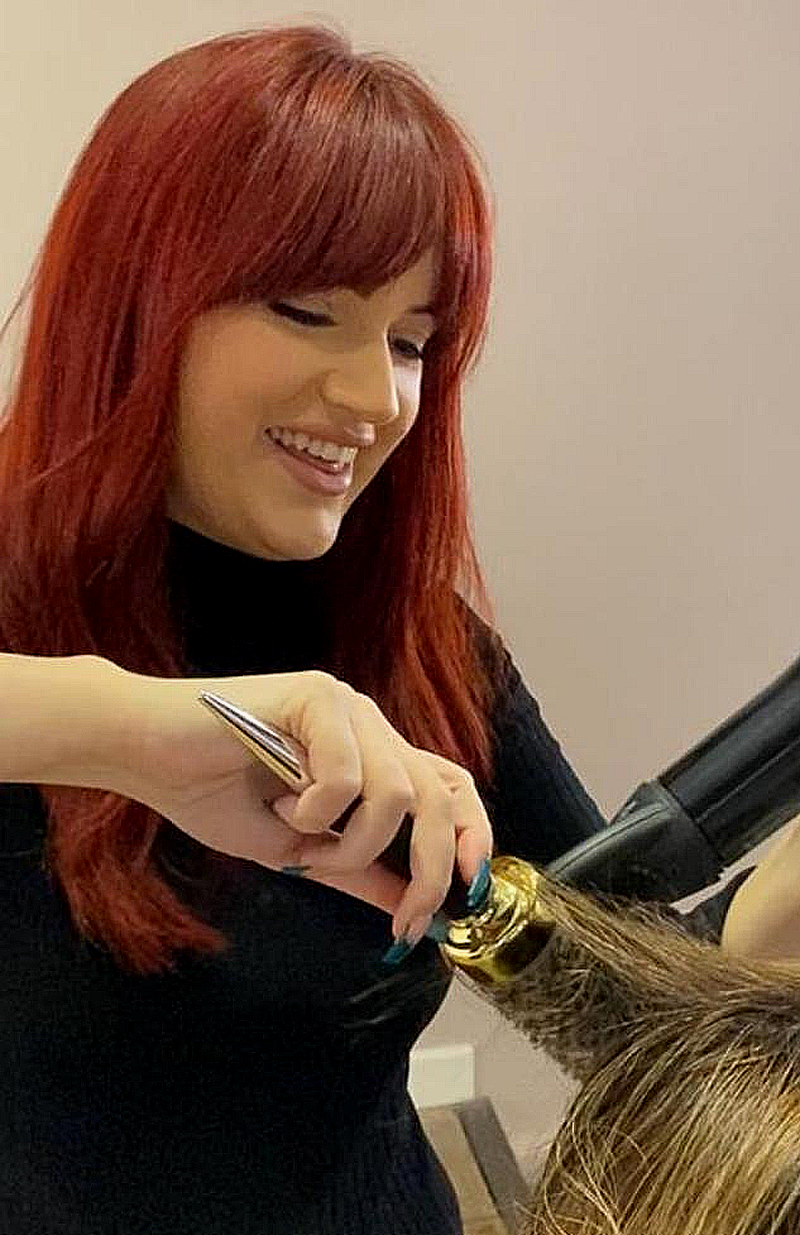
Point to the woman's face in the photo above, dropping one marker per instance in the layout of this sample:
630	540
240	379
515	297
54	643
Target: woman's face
341	370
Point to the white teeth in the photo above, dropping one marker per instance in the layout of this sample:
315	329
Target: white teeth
314	445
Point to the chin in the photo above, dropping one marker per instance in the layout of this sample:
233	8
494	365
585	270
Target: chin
307	553
298	547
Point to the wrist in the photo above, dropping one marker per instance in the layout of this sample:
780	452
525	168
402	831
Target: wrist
127	710
93	719
63	715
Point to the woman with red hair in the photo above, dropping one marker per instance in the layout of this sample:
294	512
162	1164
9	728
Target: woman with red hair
232	459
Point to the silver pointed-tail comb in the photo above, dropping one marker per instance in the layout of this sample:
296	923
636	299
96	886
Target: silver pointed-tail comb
280	753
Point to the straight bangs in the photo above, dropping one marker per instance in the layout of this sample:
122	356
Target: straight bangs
352	173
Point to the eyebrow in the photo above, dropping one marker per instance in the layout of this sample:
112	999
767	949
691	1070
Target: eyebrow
422	308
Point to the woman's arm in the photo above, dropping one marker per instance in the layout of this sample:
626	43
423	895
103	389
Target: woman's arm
61	722
537	804
764	916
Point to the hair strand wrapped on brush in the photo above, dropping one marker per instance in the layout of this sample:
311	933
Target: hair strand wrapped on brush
687	1121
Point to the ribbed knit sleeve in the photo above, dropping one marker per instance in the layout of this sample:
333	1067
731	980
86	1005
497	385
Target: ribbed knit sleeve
537	805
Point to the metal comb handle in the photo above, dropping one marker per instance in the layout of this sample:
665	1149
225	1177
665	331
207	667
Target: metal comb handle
272	747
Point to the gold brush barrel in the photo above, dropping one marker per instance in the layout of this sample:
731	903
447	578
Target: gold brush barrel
496	944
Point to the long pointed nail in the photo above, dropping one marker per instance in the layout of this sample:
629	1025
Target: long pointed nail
476	893
397	952
439	927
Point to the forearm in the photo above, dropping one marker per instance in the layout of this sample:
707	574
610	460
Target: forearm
58	719
763	919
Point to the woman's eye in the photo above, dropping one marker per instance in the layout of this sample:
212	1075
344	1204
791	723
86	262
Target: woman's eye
303	316
409	350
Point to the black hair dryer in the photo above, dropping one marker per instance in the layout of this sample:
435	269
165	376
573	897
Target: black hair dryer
676	834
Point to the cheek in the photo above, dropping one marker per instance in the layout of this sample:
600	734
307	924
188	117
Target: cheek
387	441
236	371
392	435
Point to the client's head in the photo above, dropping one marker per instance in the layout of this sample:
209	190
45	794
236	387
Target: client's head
688	1117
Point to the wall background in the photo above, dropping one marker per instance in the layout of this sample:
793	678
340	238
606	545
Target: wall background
632	429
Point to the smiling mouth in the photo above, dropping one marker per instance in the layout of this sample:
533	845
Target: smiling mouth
328	476
321	451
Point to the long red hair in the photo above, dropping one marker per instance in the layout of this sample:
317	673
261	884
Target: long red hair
230	171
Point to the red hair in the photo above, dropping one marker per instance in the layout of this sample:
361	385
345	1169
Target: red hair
231	171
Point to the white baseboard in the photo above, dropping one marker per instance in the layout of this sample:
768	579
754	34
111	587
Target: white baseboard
441	1075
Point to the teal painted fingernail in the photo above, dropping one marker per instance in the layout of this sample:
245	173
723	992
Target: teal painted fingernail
439	927
295	870
476	893
398	952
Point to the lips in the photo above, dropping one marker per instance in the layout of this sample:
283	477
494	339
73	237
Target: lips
320	476
330	466
308	440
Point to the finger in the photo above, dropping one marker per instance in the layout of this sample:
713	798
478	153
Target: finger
387	797
334	763
474	838
385	789
431	856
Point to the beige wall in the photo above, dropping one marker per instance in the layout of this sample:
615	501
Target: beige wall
632	429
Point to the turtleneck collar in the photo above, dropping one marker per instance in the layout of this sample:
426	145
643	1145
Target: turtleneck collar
243	614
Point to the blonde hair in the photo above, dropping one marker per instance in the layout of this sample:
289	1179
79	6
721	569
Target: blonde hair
687	1121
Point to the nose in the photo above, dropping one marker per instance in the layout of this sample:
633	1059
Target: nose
364	384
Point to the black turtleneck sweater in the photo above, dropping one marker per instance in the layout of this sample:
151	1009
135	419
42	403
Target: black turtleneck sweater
246	1094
